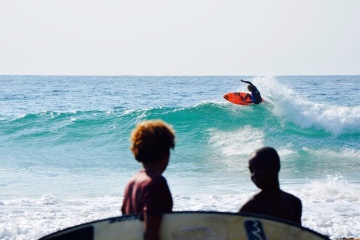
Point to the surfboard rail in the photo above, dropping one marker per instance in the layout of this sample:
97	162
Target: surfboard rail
190	225
237	98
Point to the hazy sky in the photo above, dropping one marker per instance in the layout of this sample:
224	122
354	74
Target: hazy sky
180	37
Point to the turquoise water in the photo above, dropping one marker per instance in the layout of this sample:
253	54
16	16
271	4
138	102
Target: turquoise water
65	139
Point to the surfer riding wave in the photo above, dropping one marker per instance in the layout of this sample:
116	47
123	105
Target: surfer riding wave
255	96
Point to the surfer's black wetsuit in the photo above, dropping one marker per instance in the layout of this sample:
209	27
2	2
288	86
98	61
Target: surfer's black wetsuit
255	94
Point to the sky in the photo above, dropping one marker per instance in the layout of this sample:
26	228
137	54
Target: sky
180	37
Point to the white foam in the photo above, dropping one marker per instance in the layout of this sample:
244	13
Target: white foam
34	218
333	188
307	114
285	150
330	207
237	142
234	148
344	153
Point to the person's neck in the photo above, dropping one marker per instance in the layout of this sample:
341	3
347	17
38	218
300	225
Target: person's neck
273	188
152	168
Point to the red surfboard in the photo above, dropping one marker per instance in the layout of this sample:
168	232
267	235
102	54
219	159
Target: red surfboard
237	98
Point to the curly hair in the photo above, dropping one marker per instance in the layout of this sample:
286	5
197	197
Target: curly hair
151	139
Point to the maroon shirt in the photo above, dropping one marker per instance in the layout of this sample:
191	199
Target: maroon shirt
147	193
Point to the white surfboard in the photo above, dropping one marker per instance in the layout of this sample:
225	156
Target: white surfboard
190	226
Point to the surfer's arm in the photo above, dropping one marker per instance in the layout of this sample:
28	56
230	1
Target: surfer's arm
247	82
152	227
298	210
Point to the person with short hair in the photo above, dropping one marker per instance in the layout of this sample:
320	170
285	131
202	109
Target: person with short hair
147	193
264	166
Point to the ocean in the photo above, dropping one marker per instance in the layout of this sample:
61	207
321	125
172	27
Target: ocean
65	158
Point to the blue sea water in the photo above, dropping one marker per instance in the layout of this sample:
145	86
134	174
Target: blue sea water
65	158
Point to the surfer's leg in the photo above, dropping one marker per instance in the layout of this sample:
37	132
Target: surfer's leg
246	97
